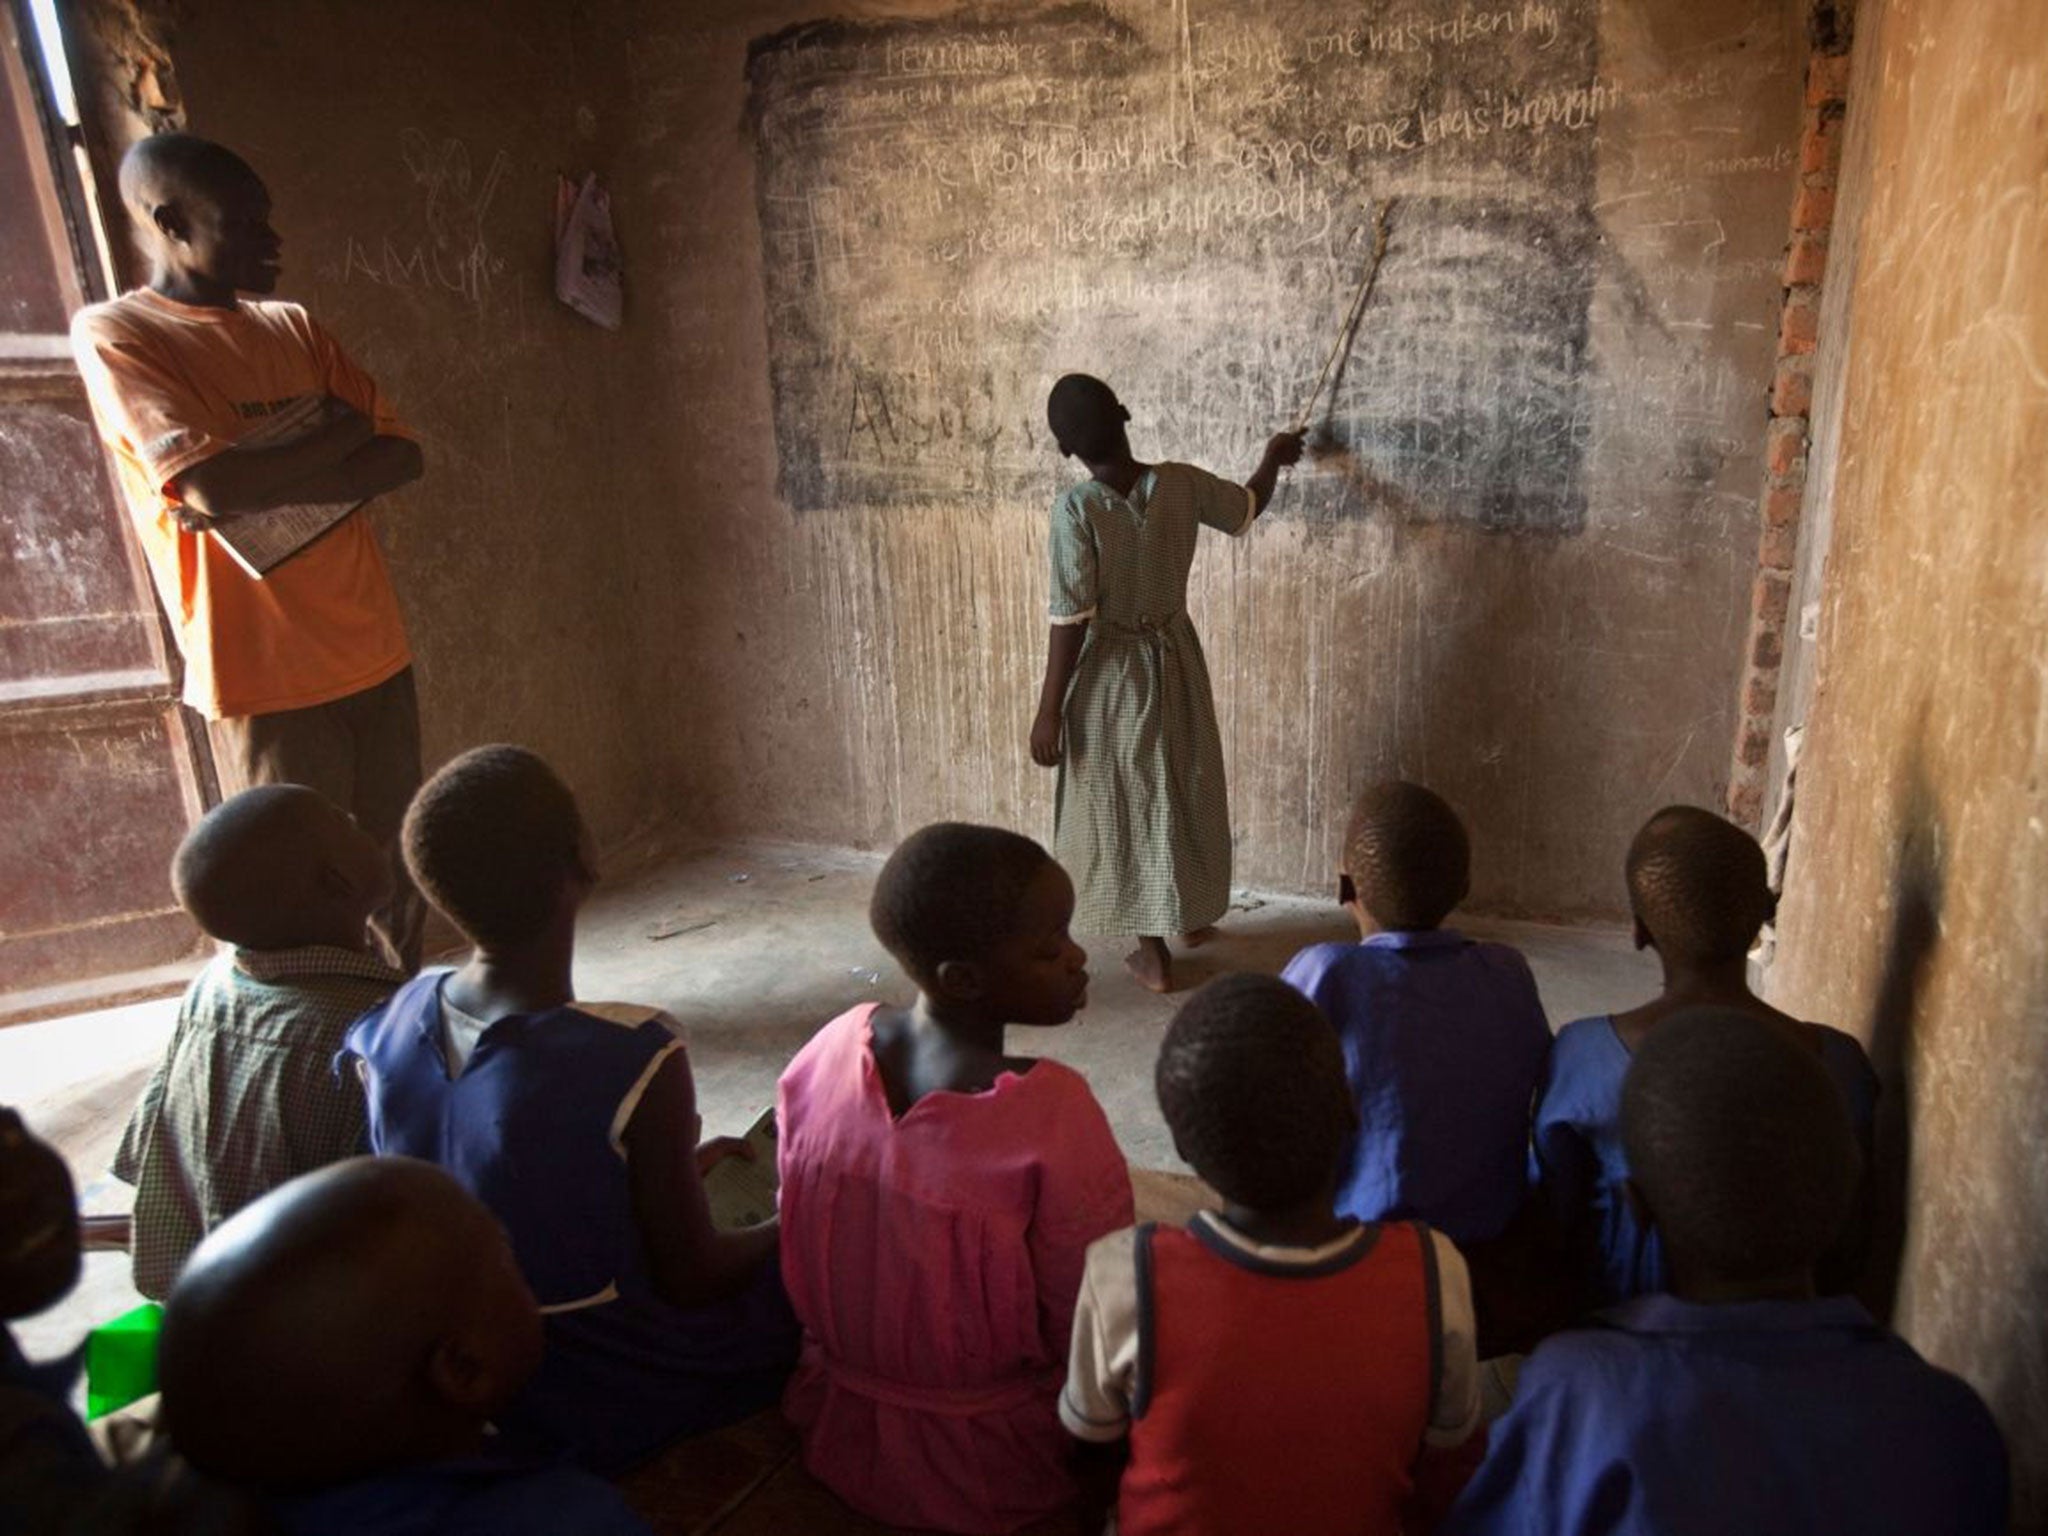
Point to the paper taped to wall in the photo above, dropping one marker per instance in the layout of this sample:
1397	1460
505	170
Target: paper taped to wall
587	266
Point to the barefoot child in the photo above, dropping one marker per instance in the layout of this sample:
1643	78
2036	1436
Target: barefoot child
938	1196
576	1124
305	676
1274	1366
1125	713
1699	892
342	1344
1742	1401
246	1096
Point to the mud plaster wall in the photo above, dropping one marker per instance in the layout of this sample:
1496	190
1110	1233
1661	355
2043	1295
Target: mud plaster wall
411	151
1919	867
1541	613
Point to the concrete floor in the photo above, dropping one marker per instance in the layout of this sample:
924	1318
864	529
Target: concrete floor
752	947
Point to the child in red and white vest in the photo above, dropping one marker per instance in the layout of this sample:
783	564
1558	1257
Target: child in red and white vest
1272	1366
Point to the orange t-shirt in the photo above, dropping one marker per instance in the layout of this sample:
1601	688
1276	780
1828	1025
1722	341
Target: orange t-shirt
174	384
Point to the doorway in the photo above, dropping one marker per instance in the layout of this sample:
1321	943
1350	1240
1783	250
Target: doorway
101	769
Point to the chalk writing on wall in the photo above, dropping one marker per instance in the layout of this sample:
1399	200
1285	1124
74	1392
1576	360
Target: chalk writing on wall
954	212
452	254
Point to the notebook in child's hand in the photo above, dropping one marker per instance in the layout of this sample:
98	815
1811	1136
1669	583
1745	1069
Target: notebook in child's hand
742	1193
262	541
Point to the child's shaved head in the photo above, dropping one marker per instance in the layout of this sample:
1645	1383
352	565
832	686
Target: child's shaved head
278	866
1406	855
168	167
493	840
1251	1080
358	1318
952	891
1699	886
1740	1144
39	1253
1086	418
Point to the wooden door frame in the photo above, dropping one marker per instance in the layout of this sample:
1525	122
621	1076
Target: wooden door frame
75	219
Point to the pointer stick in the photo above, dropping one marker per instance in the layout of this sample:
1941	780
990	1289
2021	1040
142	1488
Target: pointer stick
1351	318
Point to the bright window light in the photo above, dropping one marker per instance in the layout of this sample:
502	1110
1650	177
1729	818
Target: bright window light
56	70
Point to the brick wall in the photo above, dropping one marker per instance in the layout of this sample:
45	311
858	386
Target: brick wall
1786	435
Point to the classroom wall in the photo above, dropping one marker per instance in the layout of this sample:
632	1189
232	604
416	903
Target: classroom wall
1919	866
844	592
412	151
1522	574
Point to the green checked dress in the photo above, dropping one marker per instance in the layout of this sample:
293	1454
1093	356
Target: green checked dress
1142	819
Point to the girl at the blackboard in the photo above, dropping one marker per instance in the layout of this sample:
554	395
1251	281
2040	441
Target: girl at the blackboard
1142	819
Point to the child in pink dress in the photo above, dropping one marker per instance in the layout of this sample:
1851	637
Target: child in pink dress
939	1197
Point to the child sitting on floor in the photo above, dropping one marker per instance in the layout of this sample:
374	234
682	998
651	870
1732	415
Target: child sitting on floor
576	1124
1444	1037
246	1096
48	1468
52	1480
1275	1366
1698	889
939	1195
1741	1401
342	1343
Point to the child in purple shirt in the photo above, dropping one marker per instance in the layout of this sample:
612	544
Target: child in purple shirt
1444	1037
1742	1401
1698	888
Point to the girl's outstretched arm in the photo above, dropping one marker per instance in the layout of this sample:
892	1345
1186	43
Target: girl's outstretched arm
1283	449
1062	652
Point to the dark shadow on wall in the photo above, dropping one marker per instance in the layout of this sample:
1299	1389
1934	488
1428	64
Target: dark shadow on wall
1918	880
2014	1378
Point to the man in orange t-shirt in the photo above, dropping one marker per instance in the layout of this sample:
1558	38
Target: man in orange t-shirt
304	674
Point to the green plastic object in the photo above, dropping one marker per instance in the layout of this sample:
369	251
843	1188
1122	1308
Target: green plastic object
120	1360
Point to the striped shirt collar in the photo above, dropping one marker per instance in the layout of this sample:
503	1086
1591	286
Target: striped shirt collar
312	960
1345	1244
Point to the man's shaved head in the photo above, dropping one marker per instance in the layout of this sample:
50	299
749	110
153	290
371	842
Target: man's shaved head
268	868
204	219
358	1318
170	167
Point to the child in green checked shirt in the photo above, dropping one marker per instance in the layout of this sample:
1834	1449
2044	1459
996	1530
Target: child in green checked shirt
246	1096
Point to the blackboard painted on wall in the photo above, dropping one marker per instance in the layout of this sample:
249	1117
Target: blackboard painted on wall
953	212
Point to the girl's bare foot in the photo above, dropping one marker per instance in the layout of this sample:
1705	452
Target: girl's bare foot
1151	964
1200	936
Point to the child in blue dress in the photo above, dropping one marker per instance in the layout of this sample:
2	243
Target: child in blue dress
1742	1401
1700	894
576	1124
